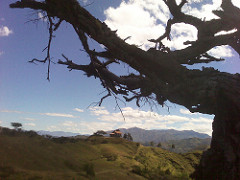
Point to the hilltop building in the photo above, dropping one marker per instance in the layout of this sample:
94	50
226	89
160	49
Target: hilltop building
116	133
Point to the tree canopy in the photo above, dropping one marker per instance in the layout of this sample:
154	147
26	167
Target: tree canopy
161	72
99	133
16	125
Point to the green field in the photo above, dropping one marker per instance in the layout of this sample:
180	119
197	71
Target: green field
25	155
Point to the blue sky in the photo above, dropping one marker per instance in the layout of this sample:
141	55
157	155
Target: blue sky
63	103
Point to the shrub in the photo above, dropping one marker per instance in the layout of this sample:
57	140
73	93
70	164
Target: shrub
17	126
137	170
104	141
168	172
31	133
111	157
70	165
6	171
89	169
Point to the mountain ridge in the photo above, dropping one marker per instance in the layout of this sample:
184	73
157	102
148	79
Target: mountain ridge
57	133
141	135
161	135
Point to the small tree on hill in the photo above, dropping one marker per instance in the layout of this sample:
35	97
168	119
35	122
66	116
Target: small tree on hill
159	145
99	133
128	136
17	126
89	169
151	143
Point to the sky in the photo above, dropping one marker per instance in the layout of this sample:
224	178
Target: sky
68	101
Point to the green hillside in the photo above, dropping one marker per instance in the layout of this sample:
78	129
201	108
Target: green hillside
186	145
26	155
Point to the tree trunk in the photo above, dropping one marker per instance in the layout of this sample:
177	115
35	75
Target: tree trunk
222	160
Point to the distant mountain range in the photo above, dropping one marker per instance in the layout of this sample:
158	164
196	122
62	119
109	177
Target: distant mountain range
57	133
184	141
144	136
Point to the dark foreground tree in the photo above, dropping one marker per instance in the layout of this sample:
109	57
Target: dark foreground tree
161	72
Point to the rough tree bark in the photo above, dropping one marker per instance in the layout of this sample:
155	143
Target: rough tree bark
161	72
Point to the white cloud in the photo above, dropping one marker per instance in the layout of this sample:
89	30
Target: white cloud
90	127
204	12
106	120
45	114
199	127
53	128
58	115
225	32
85	1
221	51
201	120
42	17
133	118
187	112
138	19
170	119
5	31
181	33
29	119
83	127
69	124
236	3
146	19
12	111
2	19
98	111
151	120
1	53
78	110
30	124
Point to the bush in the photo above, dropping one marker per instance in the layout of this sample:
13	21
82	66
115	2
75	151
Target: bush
168	172
71	166
104	141
17	126
6	171
31	133
89	169
137	170
183	176
111	157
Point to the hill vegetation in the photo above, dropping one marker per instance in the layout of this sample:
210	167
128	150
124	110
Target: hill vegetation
26	155
186	145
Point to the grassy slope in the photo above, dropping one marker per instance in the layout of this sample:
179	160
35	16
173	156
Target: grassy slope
187	145
25	157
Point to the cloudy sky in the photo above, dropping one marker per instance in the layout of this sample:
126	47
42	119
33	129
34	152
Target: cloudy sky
67	102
